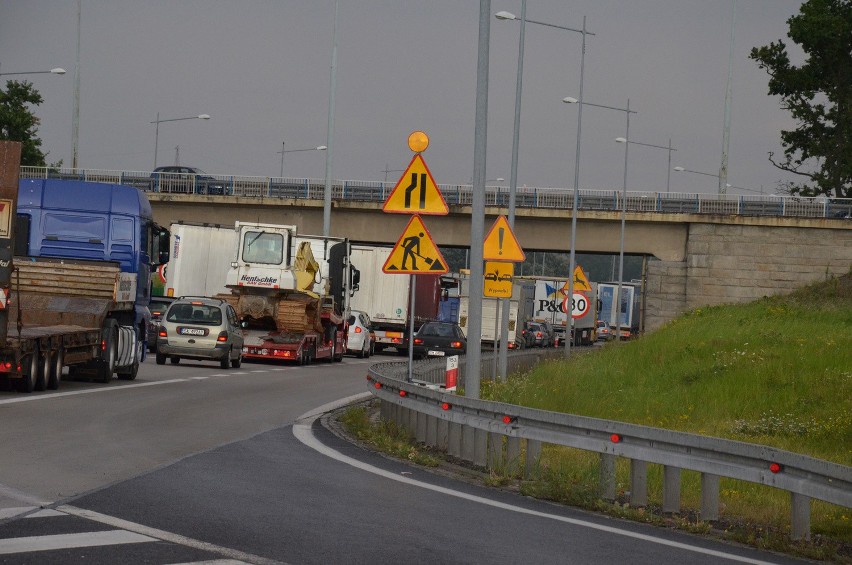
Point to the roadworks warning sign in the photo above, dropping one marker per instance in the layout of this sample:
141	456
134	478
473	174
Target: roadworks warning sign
415	253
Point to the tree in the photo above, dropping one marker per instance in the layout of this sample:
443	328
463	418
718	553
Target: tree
818	95
18	123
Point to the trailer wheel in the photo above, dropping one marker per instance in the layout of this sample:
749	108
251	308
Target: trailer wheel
43	370
27	382
106	366
53	369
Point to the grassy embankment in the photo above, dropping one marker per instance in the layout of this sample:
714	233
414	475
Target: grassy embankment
776	372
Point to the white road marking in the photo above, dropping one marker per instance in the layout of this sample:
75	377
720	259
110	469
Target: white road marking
15	511
46	513
145	531
66	541
214	562
30	398
302	431
198	378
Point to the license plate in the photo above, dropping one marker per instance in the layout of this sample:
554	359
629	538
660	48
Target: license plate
436	353
192	331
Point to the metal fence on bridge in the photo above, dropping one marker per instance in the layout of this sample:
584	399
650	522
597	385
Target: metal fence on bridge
526	197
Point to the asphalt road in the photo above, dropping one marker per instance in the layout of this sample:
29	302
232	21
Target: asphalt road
192	463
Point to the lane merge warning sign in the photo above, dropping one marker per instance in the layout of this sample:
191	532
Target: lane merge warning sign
416	192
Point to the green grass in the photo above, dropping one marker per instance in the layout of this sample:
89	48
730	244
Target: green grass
775	372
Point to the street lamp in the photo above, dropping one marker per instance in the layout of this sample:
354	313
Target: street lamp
669	148
617	298
56	71
158	121
513	185
283	151
727	185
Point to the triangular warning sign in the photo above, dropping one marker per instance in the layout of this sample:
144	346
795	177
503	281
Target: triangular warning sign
580	281
416	192
500	243
415	253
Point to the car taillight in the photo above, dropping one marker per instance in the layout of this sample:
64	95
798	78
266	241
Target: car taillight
418	341
162	332
538	334
357	329
223	337
456	344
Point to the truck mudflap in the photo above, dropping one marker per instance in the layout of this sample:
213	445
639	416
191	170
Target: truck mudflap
128	347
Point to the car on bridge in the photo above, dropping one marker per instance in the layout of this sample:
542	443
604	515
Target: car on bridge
177	178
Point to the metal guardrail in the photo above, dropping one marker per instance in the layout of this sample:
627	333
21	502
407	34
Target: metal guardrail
489	433
454	194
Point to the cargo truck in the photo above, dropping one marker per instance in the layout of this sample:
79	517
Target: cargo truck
520	312
200	257
291	293
75	293
628	312
386	298
550	306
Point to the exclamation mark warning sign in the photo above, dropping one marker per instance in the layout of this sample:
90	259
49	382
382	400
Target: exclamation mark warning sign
500	243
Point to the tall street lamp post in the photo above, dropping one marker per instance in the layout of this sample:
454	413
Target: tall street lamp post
326	199
158	121
56	71
669	148
617	298
514	178
727	185
283	151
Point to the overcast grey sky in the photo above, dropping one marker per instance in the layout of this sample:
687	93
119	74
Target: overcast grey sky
261	69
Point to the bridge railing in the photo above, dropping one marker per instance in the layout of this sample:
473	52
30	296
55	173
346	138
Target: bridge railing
489	434
454	194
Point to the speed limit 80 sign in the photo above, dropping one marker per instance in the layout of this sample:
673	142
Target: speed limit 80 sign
579	306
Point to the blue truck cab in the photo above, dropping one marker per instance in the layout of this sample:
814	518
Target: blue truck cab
96	224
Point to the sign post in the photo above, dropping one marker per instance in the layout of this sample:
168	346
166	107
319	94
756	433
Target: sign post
415	252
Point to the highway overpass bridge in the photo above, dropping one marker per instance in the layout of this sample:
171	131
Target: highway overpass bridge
700	249
693	259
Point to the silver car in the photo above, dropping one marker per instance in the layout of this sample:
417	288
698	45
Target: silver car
200	328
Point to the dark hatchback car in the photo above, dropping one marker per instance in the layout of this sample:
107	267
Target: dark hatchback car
157	305
439	339
177	178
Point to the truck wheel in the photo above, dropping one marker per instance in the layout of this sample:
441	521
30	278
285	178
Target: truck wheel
225	362
28	379
161	359
106	366
42	371
56	375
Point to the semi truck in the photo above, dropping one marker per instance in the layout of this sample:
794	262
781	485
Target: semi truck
75	266
520	312
200	257
629	311
386	298
551	306
291	293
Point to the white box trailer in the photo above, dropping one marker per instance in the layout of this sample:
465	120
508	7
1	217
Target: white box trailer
520	311
201	255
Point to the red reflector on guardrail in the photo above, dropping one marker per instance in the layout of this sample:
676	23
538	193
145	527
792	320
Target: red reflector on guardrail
775	467
509	419
615	438
378	385
403	393
446	406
